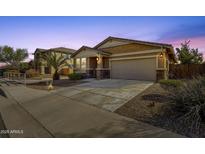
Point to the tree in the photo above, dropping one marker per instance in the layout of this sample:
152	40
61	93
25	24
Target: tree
57	62
186	55
13	57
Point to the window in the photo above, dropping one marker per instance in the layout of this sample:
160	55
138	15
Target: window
83	63
78	63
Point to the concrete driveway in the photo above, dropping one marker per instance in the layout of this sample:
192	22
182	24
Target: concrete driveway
108	94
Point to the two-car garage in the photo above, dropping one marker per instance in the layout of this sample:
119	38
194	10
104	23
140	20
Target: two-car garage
134	69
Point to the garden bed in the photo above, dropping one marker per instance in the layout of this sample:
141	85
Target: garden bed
145	105
152	106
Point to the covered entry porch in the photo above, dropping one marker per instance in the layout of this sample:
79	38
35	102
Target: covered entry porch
93	63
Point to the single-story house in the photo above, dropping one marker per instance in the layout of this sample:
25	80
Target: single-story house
121	58
41	65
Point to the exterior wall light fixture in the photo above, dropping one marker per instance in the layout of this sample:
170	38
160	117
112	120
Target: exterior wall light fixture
161	55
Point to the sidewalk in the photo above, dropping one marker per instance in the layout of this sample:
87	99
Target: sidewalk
17	119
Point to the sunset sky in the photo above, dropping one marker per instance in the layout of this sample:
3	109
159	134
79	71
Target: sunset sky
73	32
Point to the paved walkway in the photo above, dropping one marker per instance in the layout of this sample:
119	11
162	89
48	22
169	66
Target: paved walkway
15	118
52	115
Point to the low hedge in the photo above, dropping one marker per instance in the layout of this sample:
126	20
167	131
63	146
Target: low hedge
75	76
171	83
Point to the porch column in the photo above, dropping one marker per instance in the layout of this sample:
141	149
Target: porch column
42	69
88	66
161	66
99	67
88	62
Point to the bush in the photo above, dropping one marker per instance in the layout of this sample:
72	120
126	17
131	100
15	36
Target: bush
23	67
75	76
32	73
189	101
170	83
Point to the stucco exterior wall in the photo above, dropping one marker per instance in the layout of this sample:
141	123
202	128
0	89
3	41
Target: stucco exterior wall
133	47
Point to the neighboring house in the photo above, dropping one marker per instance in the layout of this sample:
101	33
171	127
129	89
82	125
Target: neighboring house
125	59
41	65
7	68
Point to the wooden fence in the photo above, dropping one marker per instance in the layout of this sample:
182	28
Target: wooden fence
186	71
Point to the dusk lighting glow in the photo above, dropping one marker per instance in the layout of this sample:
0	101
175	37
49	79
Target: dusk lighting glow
73	32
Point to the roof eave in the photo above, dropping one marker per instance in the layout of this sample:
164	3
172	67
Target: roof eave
39	50
172	53
86	47
132	41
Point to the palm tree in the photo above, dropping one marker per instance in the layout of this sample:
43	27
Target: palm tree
57	62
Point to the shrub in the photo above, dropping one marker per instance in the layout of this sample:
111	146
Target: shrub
23	67
75	76
189	101
170	83
32	73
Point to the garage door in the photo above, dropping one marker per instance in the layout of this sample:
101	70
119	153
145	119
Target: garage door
136	69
